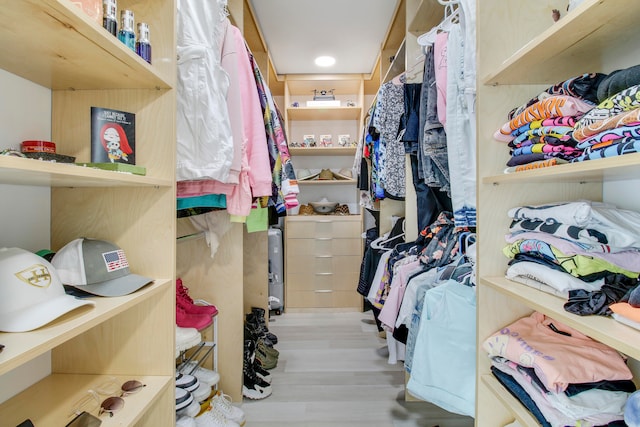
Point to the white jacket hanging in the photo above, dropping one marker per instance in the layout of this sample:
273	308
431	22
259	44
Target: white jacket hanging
204	139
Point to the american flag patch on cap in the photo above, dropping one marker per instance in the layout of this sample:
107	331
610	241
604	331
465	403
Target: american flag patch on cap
115	260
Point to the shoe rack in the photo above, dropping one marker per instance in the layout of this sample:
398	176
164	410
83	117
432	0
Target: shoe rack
55	45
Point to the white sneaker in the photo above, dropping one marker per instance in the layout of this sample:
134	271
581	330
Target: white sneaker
185	422
202	392
186	338
205	375
214	418
187	382
190	411
222	403
183	398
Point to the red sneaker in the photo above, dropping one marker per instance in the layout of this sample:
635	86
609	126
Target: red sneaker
184	300
192	320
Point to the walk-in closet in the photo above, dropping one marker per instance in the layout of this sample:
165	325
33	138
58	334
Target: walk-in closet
387	213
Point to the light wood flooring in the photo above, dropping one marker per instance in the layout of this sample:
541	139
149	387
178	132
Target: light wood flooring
333	372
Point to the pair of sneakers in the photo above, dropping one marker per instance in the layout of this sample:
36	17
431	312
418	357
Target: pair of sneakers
219	413
189	393
188	313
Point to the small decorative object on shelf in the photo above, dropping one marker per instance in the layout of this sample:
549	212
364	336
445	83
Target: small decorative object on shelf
143	45
309	141
326	141
323	95
113	136
344	140
295	104
350	103
110	16
93	8
126	34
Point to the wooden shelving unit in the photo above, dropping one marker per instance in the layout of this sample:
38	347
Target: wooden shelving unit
518	59
52	43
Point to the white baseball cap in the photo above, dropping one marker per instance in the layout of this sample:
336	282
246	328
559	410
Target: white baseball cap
98	267
31	293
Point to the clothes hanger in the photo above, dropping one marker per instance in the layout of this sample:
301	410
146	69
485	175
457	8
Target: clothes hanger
415	69
396	80
450	18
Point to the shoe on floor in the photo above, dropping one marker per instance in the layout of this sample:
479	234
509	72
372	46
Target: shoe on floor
187	382
185	421
222	403
214	418
183	399
252	387
260	315
266	360
205	375
262	373
186	338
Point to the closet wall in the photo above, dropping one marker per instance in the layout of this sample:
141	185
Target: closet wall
25	113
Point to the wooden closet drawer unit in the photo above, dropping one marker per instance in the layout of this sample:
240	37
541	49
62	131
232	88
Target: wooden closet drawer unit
339	264
318	227
314	281
323	259
325	246
323	299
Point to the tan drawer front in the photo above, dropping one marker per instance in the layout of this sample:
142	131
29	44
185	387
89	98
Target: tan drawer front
322	228
324	299
312	281
323	263
325	246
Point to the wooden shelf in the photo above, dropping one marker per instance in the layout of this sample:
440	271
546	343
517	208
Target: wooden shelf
50	402
428	15
60	47
521	413
571	46
328	182
397	66
322	151
341	84
599	328
324	113
24	346
22	171
612	168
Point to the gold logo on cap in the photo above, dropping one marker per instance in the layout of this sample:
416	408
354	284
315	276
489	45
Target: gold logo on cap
36	275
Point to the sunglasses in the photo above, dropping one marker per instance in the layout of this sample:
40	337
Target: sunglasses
93	401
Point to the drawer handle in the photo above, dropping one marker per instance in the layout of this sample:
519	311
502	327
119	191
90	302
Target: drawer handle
324	274
324	221
323	291
323	238
324	256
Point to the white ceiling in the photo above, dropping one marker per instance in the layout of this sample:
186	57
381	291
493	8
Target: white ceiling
297	31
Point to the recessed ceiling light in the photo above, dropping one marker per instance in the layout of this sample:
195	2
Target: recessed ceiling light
325	61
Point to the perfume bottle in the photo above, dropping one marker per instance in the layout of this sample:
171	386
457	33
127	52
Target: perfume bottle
110	16
126	34
143	46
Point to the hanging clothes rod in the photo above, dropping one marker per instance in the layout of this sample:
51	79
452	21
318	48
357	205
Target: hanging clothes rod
188	237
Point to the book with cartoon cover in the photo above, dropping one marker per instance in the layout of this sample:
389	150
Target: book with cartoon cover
113	136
